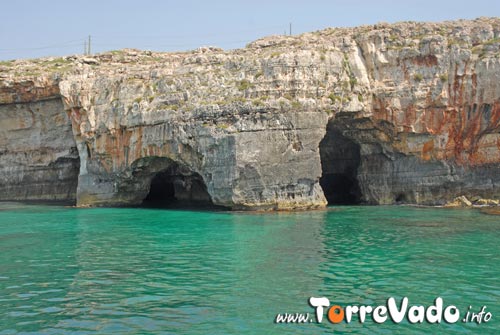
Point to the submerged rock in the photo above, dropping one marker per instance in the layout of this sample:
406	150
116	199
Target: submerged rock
402	113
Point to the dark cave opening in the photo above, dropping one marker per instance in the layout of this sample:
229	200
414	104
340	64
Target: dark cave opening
340	189
401	198
340	159
175	187
161	190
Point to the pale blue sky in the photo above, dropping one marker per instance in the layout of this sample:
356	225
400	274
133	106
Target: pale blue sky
34	28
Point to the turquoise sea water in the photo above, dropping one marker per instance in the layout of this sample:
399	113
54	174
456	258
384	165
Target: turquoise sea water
147	271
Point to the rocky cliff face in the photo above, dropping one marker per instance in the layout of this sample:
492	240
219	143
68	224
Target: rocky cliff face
376	114
38	156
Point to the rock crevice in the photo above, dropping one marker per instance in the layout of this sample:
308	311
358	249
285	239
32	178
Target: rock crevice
381	114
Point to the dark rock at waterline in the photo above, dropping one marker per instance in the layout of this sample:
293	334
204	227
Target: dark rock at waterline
402	113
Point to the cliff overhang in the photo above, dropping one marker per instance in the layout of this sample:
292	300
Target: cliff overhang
382	114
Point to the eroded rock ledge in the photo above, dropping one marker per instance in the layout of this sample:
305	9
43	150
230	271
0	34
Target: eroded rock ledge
402	113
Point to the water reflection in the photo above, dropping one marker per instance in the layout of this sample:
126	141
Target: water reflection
157	271
180	273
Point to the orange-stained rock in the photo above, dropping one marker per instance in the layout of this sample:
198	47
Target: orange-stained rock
418	102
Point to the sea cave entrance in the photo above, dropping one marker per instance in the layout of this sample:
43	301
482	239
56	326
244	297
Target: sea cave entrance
177	187
340	159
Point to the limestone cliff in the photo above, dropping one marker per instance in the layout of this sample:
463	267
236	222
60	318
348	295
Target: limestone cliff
407	112
38	156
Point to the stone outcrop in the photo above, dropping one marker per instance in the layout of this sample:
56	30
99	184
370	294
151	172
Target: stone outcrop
463	201
38	156
382	114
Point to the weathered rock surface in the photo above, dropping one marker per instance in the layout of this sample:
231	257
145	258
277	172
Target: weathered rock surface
461	201
402	113
38	156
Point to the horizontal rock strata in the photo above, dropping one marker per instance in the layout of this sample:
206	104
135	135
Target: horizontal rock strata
380	114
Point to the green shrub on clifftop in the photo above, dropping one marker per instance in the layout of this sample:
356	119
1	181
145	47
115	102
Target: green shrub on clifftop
244	85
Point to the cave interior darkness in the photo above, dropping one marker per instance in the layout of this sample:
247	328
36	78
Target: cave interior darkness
178	187
175	187
340	160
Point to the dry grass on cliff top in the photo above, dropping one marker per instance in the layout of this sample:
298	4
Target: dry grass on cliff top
462	33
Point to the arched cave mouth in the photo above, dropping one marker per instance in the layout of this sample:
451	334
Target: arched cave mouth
177	187
340	160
